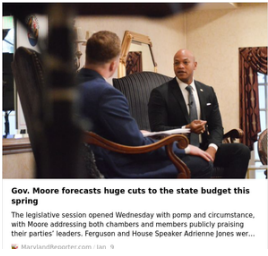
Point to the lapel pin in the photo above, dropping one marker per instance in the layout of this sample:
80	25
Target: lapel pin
201	90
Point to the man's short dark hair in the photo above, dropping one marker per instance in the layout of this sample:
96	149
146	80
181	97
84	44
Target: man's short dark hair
102	47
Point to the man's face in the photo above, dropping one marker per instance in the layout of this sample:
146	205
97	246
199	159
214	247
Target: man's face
184	66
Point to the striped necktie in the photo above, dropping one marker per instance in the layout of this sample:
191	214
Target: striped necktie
194	137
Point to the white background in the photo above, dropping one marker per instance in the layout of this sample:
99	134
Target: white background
255	202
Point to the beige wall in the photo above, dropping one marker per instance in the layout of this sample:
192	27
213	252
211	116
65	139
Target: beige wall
213	35
167	35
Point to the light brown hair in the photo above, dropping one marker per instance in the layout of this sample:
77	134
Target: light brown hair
102	47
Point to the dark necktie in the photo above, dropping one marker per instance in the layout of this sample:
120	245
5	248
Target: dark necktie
194	138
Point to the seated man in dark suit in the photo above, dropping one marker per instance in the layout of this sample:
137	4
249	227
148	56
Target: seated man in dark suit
107	111
186	103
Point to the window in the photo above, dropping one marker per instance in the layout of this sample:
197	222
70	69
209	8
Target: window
263	92
9	98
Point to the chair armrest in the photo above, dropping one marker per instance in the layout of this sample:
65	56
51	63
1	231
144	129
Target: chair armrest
233	134
182	142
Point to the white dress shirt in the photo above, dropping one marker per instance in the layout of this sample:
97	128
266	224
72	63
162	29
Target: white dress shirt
185	94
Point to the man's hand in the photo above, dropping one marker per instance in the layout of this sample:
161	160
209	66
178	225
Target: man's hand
195	151
212	152
197	126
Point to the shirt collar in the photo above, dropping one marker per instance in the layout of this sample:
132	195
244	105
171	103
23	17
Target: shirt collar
183	85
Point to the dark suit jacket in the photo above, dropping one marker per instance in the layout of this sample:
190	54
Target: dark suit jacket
167	110
107	112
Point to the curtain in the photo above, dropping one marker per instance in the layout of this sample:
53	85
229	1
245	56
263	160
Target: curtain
251	61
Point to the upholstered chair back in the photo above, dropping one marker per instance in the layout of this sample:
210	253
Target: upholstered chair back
28	71
137	88
262	147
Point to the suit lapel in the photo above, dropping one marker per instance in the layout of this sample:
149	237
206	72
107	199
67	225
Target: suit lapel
176	92
202	99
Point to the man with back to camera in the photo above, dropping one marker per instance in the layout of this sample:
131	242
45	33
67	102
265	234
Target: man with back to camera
108	112
185	102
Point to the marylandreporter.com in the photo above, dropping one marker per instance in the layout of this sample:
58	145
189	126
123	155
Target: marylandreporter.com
52	246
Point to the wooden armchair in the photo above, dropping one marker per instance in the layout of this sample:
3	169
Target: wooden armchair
137	88
182	142
28	70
